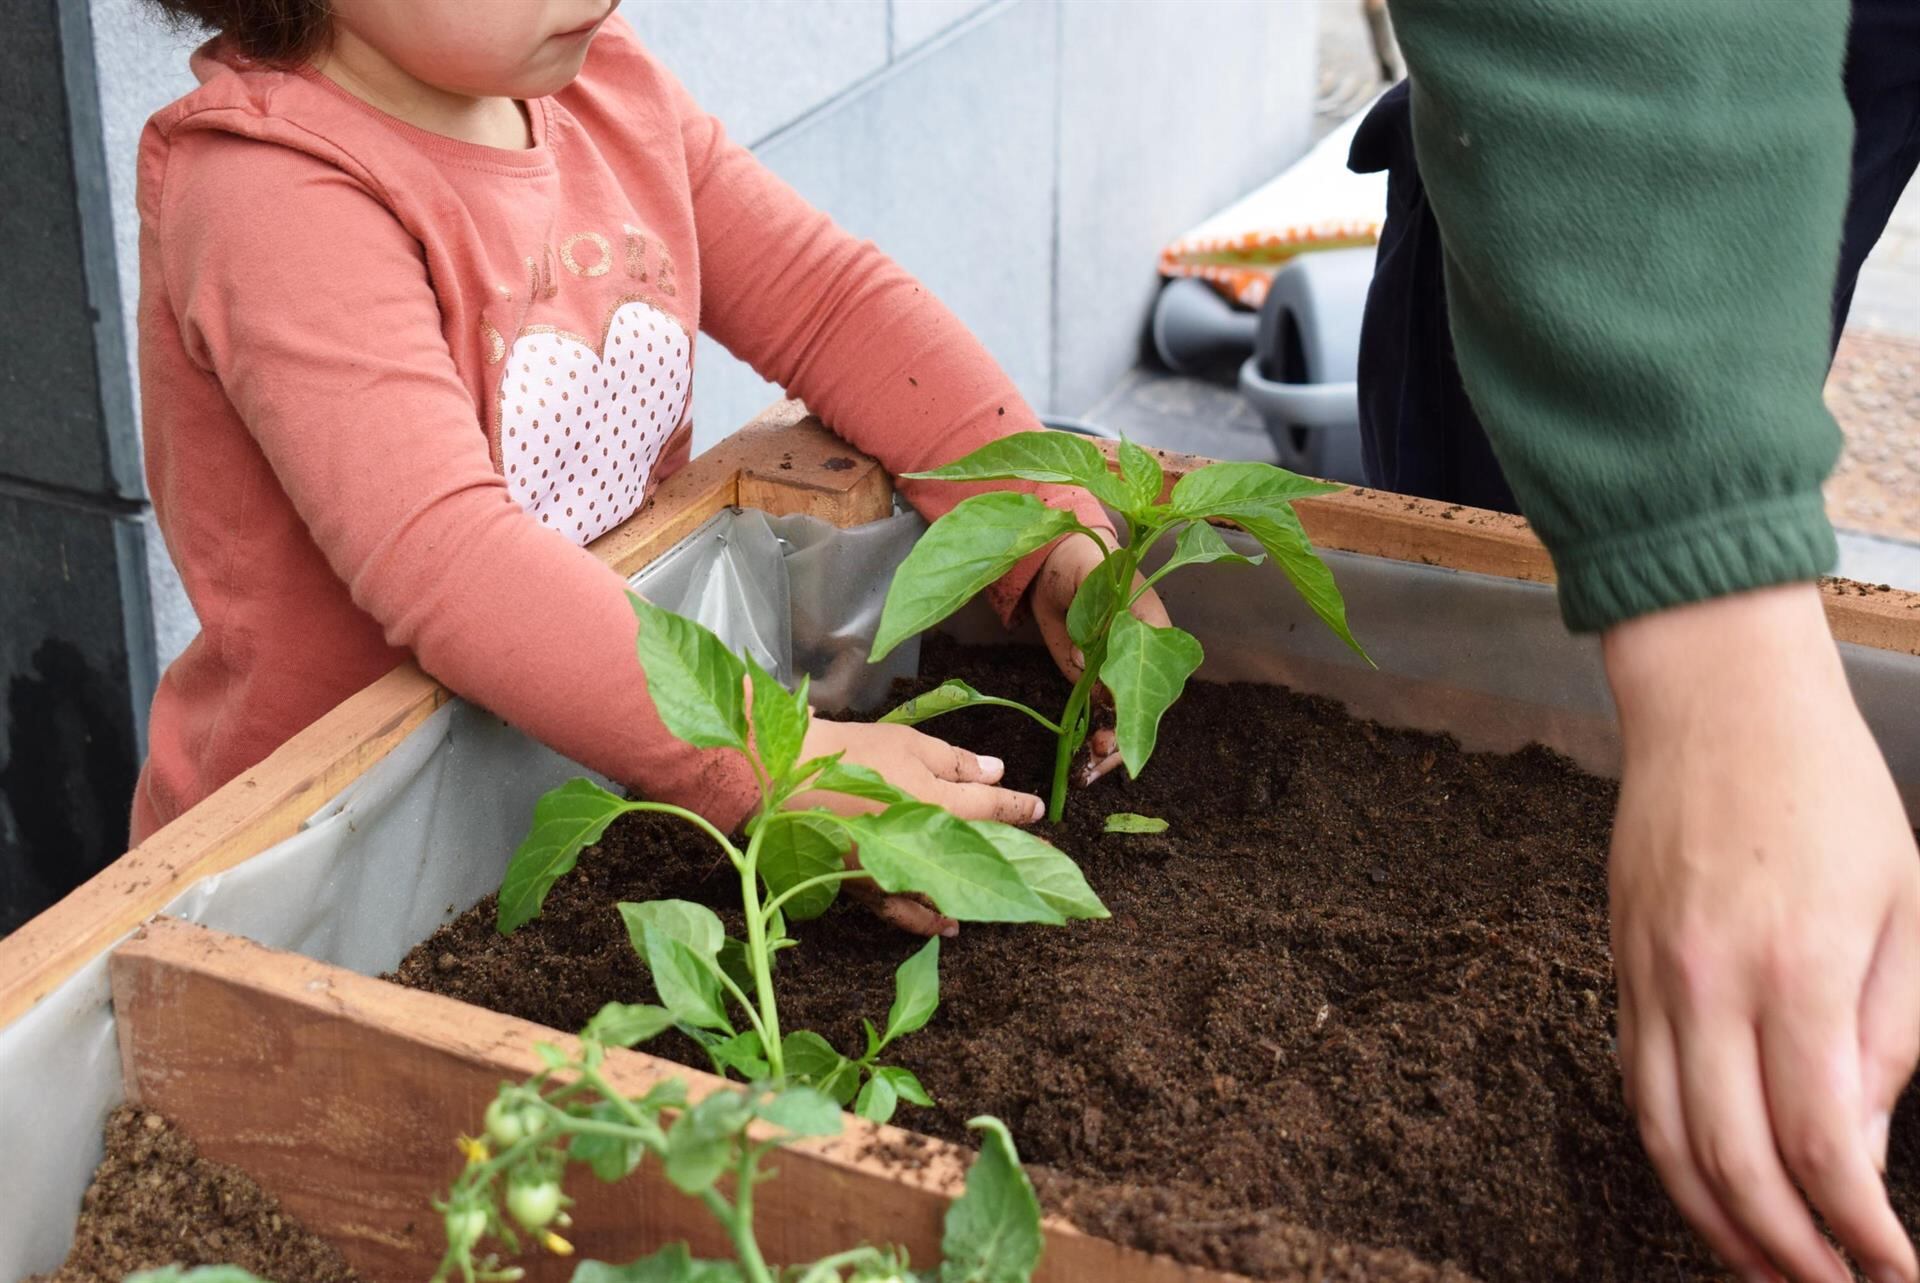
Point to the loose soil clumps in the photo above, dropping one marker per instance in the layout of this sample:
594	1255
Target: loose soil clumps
1351	1018
155	1202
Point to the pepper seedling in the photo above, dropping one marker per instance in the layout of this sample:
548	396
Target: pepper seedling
510	1189
719	990
1143	667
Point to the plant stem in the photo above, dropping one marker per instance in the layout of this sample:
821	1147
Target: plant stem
769	1023
733	852
824	879
1072	735
739	1223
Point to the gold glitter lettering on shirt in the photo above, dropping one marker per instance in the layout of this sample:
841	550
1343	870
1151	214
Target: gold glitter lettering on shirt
665	283
496	346
600	268
540	283
636	251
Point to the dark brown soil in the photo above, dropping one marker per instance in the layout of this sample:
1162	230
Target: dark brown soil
1358	994
155	1202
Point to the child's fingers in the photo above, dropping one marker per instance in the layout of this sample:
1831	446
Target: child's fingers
951	762
985	802
909	913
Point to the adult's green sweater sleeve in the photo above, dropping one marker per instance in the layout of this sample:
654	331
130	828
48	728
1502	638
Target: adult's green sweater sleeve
1641	204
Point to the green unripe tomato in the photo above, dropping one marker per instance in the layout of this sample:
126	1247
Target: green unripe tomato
534	1203
503	1124
465	1227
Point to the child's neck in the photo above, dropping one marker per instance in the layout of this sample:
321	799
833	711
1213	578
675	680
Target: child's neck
372	77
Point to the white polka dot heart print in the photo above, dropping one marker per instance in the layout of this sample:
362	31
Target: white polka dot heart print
580	430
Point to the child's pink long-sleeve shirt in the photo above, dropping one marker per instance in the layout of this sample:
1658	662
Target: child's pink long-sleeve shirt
393	382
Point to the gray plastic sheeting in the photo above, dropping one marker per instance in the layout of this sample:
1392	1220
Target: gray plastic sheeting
426	832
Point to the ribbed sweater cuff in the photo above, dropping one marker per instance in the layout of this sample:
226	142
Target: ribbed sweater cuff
1755	545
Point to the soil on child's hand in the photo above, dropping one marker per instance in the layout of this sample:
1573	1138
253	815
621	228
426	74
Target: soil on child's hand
1357	996
155	1202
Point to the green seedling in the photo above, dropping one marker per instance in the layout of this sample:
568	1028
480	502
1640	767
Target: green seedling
1143	667
510	1191
719	990
1128	822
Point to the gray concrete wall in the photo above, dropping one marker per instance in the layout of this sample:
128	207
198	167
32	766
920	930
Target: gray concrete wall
1026	158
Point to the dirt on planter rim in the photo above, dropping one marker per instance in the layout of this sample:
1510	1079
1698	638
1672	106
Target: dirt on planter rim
155	1202
1351	1018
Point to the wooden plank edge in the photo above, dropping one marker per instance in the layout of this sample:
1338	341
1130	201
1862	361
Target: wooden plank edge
1378	523
269	802
341	1095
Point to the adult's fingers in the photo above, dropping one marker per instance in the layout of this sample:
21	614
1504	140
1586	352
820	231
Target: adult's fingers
1889	1027
1732	1139
1653	1088
1809	1052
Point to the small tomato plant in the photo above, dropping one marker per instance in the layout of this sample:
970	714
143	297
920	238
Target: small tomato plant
720	990
568	1113
1145	668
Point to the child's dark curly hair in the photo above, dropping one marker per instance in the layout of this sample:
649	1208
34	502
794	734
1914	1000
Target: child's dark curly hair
270	31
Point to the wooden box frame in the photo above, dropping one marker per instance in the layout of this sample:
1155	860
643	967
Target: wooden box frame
341	1093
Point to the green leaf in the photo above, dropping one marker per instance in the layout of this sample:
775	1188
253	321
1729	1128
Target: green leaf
612	1158
992	1230
1199	542
905	1085
1093	603
802	1111
1049	872
1059	458
623	1024
1141	476
915	846
736	963
873	1037
860	781
700	1142
694	925
1223	489
779	720
795	849
1146	669
1280	534
944	698
963	552
687	982
695	682
916	992
876	1101
741	1053
671	1264
1128	822
550	1056
565	821
812	1060
812	767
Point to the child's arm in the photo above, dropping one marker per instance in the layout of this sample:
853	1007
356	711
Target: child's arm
846	329
311	305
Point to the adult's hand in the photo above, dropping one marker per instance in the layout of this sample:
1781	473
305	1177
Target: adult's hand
1766	934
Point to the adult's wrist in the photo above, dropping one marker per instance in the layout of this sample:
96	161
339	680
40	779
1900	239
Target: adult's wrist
1720	655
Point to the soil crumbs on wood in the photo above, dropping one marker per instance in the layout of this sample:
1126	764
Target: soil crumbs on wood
155	1202
1351	1018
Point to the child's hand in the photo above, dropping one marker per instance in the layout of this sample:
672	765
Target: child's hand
1071	561
931	770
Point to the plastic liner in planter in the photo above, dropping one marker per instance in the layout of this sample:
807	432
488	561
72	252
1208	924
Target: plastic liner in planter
427	831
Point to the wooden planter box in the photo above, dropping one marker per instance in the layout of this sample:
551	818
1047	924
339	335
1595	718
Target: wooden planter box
341	1094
